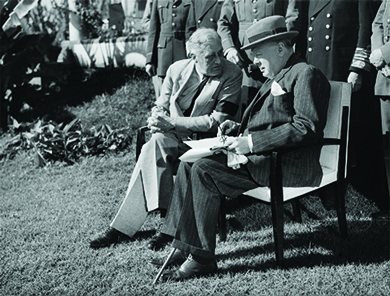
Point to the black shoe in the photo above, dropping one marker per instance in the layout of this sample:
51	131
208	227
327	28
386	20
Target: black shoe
159	241
381	216
177	258
111	236
190	268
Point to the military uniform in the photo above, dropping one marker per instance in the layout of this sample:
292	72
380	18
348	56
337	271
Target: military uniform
236	17
380	39
336	38
205	14
167	33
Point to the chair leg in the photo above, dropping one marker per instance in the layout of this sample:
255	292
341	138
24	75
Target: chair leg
278	228
297	210
277	207
340	208
222	219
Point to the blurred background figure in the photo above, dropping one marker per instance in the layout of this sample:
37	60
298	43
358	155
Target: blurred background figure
335	37
167	37
236	18
380	58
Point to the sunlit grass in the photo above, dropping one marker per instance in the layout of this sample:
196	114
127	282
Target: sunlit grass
48	215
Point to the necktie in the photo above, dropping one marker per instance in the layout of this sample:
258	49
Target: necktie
198	91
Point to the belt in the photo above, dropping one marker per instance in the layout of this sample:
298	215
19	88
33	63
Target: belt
177	35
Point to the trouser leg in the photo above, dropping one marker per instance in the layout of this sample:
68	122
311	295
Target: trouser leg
196	207
151	183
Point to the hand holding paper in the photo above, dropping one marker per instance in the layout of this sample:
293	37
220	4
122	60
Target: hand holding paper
208	147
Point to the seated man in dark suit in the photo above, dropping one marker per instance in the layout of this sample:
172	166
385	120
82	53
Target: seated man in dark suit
289	111
197	94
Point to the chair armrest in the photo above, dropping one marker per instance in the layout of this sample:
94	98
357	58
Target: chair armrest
140	140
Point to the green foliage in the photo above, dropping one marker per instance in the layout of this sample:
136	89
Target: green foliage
52	141
52	22
91	19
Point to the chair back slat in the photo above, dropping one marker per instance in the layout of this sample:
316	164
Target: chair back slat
340	96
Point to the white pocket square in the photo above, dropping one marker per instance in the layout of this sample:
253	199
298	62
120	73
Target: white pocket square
276	89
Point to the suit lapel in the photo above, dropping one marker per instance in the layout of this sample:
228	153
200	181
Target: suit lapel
264	92
317	5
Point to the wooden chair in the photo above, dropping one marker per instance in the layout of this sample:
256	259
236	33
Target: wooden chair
334	166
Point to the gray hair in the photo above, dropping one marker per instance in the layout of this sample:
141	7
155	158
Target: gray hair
203	39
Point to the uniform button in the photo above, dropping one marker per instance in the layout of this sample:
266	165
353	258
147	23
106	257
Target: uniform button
254	1
327	48
211	19
174	14
328	15
173	25
386	38
310	38
255	21
327	37
327	26
388	21
174	6
312	18
310	29
310	49
254	10
199	21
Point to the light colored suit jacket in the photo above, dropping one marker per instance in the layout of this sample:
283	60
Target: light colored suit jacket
293	119
218	101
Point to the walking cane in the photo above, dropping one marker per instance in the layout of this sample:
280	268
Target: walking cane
164	265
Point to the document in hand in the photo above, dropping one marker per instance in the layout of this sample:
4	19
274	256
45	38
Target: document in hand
207	147
202	148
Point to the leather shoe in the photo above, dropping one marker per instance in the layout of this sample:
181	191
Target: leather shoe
189	269
177	259
111	236
159	241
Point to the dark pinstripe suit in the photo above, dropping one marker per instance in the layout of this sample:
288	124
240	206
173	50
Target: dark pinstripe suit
296	118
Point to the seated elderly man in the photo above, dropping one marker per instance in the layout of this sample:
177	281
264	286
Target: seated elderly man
197	94
288	111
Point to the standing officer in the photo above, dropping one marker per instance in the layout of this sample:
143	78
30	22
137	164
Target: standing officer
380	58
167	37
205	14
335	37
236	17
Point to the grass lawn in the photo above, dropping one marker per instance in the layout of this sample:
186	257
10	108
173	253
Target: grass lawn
48	216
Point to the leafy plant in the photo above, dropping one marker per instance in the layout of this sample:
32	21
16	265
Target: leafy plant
51	141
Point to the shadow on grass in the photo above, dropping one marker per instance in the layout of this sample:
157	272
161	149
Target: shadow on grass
368	242
74	87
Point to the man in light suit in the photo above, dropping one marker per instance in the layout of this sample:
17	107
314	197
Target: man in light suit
181	110
288	111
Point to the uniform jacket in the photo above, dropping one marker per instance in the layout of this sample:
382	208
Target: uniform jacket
335	35
238	15
293	119
205	14
167	33
381	39
219	99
